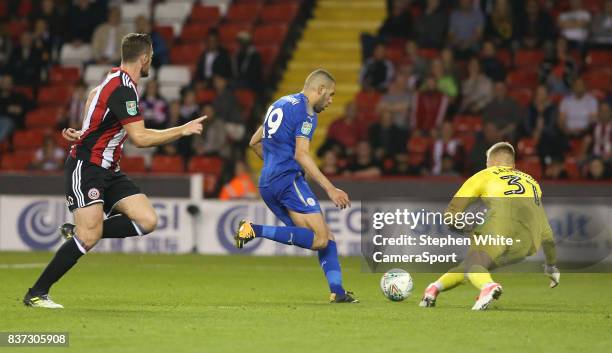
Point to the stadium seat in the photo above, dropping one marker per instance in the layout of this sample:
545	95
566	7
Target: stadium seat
15	28
505	57
205	95
228	31
531	166
209	15
598	78
572	168
27	91
166	32
172	14
170	92
167	164
269	54
94	74
205	165
42	118
528	58
133	164
129	12
246	99
599	58
61	141
468	141
522	79
527	147
279	13
522	96
194	32
575	147
467	124
174	74
270	34
186	54
54	95
428	53
64	75
418	144
72	55
28	139
243	13
367	100
16	161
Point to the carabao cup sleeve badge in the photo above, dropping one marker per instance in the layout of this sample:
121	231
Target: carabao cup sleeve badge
306	128
131	107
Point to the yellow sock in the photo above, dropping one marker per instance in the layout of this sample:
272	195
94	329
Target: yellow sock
479	276
450	279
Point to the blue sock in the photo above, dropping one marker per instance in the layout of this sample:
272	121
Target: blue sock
328	258
298	236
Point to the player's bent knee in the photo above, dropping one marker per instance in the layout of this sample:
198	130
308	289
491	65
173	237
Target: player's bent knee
319	242
147	222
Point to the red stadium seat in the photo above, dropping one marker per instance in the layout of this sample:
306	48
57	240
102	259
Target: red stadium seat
522	79
61	141
27	91
395	54
15	28
467	124
134	164
575	147
367	100
64	75
279	13
428	53
205	165
54	95
593	6
269	54
167	164
186	54
246	99
418	144
43	118
270	34
205	96
468	141
527	147
205	14
243	13
522	96
599	58
167	33
599	78
528	58
531	166
572	169
505	57
28	139
228	31
17	161
194	32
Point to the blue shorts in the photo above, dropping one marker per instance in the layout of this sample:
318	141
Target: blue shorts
290	193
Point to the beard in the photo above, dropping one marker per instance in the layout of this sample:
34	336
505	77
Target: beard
319	106
144	72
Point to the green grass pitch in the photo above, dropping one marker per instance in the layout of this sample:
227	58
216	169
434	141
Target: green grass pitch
194	303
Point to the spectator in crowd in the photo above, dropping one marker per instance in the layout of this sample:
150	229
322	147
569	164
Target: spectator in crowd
227	108
429	107
541	125
76	107
554	168
106	42
577	111
153	107
160	47
344	133
377	71
410	79
598	142
49	157
6	46
575	23
213	141
13	107
398	23
214	61
401	165
503	112
601	29
501	24
56	20
180	112
386	139
396	102
82	19
489	135
41	39
431	26
535	28
189	106
559	70
446	83
420	65
449	64
597	170
247	63
329	165
241	186
477	89
490	63
27	62
446	153
465	28
364	164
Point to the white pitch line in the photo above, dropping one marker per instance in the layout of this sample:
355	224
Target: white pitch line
20	266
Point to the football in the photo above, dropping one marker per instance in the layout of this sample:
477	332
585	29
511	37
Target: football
396	284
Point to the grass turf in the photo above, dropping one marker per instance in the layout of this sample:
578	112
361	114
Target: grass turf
193	303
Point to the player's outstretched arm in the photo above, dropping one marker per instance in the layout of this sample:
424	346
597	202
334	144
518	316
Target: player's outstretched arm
302	156
143	137
255	142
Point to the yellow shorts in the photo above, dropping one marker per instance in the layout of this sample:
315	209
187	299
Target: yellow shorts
522	241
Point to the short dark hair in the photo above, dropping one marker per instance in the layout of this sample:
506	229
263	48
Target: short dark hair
134	45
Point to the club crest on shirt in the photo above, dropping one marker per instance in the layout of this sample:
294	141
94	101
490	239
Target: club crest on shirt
93	194
306	128
131	107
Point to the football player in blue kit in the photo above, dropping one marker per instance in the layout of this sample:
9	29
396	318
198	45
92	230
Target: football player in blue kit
283	142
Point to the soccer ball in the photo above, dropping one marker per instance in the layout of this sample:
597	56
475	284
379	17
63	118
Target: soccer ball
396	284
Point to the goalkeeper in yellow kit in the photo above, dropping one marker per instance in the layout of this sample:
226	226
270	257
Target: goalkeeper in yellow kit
515	211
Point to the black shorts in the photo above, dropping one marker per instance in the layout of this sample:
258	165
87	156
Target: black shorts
87	184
